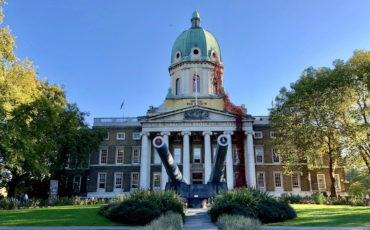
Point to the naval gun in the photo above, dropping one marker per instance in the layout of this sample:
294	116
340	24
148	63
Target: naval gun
196	195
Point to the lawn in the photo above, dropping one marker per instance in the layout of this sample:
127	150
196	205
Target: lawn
55	216
329	215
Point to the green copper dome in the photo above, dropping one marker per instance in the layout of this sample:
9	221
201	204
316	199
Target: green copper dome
195	43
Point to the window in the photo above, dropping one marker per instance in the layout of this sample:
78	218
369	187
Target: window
103	156
214	154
134	180
272	134
157	159
261	180
196	155
295	180
177	155
107	137
259	154
235	155
76	183
337	182
278	180
197	178
177	87
135	155
321	182
101	180
157	181
258	135
121	136
275	156
118	179
136	136
119	155
196	83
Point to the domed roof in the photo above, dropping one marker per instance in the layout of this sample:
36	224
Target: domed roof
195	43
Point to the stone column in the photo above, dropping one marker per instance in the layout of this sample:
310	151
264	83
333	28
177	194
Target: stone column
186	156
251	163
164	176
207	156
149	158
144	161
229	163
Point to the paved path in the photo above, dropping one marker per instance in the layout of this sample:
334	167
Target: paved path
198	219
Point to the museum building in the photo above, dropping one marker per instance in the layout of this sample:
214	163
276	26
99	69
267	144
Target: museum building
191	118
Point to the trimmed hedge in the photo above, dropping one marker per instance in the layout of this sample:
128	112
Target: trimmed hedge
251	203
237	222
168	221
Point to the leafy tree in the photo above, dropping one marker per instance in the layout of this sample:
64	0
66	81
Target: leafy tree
39	130
316	117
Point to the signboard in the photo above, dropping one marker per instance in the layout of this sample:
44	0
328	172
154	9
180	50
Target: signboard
53	189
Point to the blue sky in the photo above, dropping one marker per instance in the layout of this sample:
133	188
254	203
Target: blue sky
104	51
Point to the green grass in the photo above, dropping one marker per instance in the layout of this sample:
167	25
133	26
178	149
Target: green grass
55	216
329	215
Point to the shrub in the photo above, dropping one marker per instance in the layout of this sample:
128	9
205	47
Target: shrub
9	203
168	221
135	212
237	222
270	211
165	200
291	198
232	208
105	208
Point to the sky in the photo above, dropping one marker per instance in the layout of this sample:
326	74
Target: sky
105	51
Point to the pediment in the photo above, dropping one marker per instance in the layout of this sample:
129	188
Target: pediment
194	113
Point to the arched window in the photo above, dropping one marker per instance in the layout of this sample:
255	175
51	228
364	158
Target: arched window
177	87
196	83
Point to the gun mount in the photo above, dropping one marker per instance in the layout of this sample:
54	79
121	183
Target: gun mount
194	194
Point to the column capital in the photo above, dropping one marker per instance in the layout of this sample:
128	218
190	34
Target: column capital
207	133
249	132
165	133
144	133
229	132
183	133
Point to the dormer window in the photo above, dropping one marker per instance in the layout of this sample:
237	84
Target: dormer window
195	52
177	56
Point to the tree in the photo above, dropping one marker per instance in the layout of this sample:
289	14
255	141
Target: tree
308	119
39	129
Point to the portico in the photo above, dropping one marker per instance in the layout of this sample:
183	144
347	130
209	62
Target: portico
191	135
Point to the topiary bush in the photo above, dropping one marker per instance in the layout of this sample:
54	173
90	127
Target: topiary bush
251	203
134	212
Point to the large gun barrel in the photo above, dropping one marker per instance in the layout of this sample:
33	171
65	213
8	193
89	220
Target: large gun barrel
171	167
219	167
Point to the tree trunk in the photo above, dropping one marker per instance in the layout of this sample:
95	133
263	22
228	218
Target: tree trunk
333	192
364	157
13	183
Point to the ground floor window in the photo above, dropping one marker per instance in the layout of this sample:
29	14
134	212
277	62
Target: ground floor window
102	180
261	180
156	181
118	179
321	182
134	180
278	179
197	178
76	183
295	180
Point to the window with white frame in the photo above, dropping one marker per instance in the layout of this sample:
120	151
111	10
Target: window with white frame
121	136
275	156
258	134
134	180
261	180
321	184
76	183
157	159
103	158
177	155
136	155
118	180
119	155
272	134
259	154
136	136
157	181
278	179
296	180
235	155
101	180
337	182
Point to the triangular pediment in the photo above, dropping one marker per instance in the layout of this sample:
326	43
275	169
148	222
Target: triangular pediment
194	113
